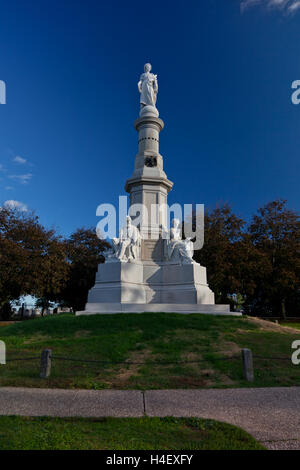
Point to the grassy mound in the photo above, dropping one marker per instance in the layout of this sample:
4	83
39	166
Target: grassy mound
206	347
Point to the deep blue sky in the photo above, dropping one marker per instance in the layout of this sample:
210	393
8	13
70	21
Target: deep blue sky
231	132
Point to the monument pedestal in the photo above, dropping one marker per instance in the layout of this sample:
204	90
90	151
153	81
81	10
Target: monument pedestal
111	308
145	286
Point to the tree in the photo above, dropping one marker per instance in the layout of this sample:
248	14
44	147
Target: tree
32	258
249	266
84	254
275	233
5	311
223	232
55	270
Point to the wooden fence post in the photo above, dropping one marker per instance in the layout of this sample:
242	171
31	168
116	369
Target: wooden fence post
46	363
248	364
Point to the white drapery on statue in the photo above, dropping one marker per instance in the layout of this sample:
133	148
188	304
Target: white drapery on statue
179	250
148	87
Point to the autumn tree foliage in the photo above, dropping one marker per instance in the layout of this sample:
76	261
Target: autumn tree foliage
222	232
32	258
258	262
36	261
84	251
275	233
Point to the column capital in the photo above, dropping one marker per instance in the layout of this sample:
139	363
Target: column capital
149	121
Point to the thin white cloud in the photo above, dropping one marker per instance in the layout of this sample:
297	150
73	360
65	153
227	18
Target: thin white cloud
20	160
24	179
287	7
245	4
8	188
12	204
277	3
293	7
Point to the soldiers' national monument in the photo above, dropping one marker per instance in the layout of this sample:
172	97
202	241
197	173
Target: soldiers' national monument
150	268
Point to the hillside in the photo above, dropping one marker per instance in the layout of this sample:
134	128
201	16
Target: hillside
205	350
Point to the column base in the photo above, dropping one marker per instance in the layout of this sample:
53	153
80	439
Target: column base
110	308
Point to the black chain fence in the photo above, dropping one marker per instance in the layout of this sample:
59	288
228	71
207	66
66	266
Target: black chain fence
246	355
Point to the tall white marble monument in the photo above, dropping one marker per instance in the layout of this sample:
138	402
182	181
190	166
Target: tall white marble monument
145	270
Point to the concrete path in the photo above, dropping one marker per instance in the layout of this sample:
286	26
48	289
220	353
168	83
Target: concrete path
67	403
271	415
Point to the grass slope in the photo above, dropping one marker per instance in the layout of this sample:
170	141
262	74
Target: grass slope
292	324
148	338
20	433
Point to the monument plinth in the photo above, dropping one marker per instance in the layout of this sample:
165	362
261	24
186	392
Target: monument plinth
147	271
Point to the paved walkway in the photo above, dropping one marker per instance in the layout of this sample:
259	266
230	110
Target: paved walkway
271	415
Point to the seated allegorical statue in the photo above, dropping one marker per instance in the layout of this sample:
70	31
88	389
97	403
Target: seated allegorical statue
128	246
179	250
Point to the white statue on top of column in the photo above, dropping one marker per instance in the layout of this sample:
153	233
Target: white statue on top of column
179	250
148	88
128	246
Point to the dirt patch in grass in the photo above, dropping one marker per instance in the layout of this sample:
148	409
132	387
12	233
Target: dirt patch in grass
265	325
189	334
82	333
225	380
126	372
6	323
189	381
194	362
229	349
37	338
191	357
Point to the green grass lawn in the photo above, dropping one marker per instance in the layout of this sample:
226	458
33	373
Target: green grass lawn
20	433
213	341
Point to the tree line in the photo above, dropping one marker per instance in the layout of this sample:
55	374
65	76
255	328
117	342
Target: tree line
254	266
36	261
